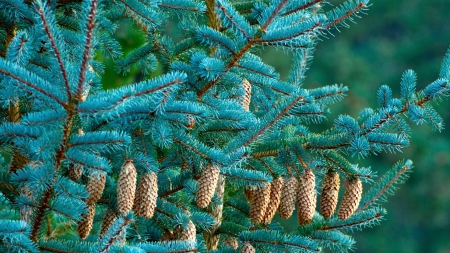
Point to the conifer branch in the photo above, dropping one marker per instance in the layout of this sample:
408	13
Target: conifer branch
272	16
346	15
116	235
302	7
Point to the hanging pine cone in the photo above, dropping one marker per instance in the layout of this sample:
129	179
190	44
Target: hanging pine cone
245	102
306	198
95	186
87	220
147	192
167	236
249	193
126	188
185	234
351	198
288	198
275	197
184	164
248	248
75	171
330	192
207	185
259	203
108	220
231	242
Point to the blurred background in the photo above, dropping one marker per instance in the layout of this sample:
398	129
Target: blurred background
393	37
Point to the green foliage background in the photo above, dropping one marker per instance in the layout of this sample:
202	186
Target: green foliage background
395	36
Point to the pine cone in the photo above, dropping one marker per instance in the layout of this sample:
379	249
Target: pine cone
275	197
330	192
147	192
184	164
85	225
108	220
126	188
75	171
95	186
306	198
207	185
248	248
350	200
259	203
185	234
166	236
249	193
288	198
245	102
231	242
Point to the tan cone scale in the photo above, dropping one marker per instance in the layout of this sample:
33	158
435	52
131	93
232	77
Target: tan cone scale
108	220
185	234
330	192
87	220
259	203
306	195
249	193
75	171
126	188
350	200
248	248
245	102
95	186
288	198
207	185
231	242
146	195
275	197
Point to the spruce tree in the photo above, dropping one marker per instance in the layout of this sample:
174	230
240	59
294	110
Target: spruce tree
199	157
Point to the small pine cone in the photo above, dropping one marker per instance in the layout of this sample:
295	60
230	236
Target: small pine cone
108	220
330	192
249	193
75	171
95	186
147	192
231	242
306	198
87	220
288	198
248	248
207	185
259	203
184	164
245	102
186	234
275	197
166	236
350	200
126	188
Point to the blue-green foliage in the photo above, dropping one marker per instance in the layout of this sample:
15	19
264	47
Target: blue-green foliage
55	118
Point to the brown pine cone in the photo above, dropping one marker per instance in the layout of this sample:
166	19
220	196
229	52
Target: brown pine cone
231	242
248	248
87	220
146	195
249	193
185	234
259	203
108	220
275	197
167	236
330	192
245	102
126	188
288	198
306	198
207	185
350	200
75	171
95	186
184	164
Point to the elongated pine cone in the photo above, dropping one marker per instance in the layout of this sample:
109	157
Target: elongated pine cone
207	185
288	198
184	164
126	188
95	186
259	203
249	193
275	198
306	198
87	220
146	195
75	171
350	200
330	192
185	234
248	248
108	220
166	236
231	242
245	102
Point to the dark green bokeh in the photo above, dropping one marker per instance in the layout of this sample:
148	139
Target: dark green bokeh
393	37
